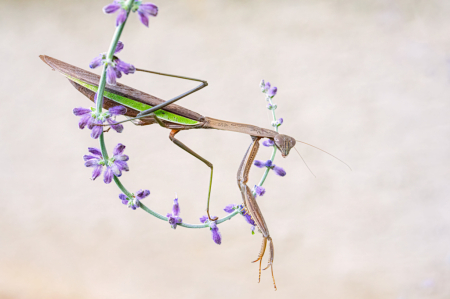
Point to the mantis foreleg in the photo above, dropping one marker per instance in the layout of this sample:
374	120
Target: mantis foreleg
252	206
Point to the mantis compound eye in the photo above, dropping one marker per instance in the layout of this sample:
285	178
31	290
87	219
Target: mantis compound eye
284	143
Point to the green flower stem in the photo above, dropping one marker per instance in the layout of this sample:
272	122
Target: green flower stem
122	187
109	57
99	106
274	151
187	225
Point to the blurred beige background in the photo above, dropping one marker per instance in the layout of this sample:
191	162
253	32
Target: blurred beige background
368	81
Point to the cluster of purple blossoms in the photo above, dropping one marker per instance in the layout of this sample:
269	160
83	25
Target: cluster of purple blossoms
115	66
94	120
215	234
114	165
278	170
134	203
174	218
277	123
144	10
268	90
231	208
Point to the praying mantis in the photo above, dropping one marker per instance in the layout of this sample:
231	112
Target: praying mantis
145	109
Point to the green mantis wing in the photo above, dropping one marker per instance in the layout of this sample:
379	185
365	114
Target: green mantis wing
124	95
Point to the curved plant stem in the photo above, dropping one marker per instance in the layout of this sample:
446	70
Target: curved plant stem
99	106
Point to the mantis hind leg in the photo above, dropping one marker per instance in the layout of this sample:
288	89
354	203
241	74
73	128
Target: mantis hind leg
177	98
187	149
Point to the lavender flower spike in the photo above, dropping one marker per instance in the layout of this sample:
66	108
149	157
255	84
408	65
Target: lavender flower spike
144	10
135	202
115	66
174	219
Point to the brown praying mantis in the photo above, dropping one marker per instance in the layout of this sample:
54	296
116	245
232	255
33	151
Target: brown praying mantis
144	109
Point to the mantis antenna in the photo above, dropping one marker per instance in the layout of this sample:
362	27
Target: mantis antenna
325	153
305	162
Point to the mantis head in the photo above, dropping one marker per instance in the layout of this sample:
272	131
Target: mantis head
284	143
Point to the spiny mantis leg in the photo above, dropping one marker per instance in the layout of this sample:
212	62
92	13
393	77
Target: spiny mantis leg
252	206
184	147
162	105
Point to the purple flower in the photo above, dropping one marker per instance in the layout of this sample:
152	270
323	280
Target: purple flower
135	202
119	47
259	164
115	67
111	8
174	220
144	10
216	236
94	121
176	207
96	62
279	171
86	116
114	166
259	190
277	123
247	216
262	85
230	208
269	164
96	126
95	160
272	92
266	86
268	142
